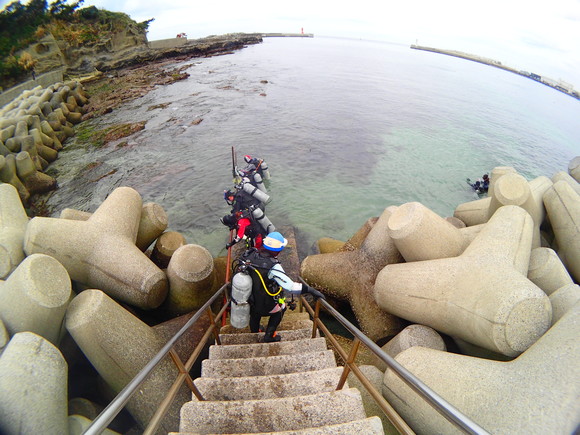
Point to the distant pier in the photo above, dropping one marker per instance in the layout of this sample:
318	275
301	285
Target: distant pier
561	86
287	35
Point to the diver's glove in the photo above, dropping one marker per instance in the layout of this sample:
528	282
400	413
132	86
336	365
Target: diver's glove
233	242
315	293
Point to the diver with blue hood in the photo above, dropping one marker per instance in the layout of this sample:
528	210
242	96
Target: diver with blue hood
265	290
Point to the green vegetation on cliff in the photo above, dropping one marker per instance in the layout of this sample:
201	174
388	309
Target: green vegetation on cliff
22	25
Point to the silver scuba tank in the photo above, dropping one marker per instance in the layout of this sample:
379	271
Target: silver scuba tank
260	183
263	220
256	193
265	171
240	308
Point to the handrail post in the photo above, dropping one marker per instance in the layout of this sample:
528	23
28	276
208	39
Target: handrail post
228	271
316	318
214	322
350	360
184	372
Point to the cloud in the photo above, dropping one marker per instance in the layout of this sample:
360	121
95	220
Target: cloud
526	34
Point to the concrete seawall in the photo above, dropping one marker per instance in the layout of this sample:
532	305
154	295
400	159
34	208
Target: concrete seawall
44	80
168	43
497	64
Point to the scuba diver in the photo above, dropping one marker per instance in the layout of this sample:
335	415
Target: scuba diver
268	280
246	228
250	175
247	218
241	200
481	185
260	166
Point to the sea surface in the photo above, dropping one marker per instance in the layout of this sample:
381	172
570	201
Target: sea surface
347	127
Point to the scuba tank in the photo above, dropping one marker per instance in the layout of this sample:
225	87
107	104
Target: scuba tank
264	167
263	220
255	192
260	183
240	308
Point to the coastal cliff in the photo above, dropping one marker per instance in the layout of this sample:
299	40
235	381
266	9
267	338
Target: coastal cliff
122	49
36	39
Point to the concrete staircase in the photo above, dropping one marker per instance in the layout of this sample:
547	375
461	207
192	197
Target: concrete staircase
285	388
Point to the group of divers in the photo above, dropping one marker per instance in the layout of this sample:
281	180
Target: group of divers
259	284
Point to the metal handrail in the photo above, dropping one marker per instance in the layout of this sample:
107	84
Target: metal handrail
101	422
447	410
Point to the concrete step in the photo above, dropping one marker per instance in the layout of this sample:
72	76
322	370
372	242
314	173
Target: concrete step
267	387
285	325
289	314
254	350
368	426
295	334
273	415
273	365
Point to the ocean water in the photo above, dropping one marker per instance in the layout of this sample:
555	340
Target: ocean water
347	127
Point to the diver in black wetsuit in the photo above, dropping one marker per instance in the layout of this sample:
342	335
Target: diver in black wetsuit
481	185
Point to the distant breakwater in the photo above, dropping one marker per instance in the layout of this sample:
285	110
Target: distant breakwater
559	86
287	35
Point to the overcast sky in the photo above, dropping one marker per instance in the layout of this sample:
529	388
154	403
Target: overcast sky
532	35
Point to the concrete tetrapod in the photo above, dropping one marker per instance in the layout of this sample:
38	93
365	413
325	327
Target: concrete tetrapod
4	337
78	424
191	277
558	176
35	297
481	296
563	207
166	244
574	168
350	276
101	252
412	335
119	345
421	234
33	387
563	300
8	176
537	393
327	245
34	180
513	189
496	174
13	221
547	271
152	223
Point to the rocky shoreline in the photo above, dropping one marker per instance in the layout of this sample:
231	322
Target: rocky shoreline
131	77
40	120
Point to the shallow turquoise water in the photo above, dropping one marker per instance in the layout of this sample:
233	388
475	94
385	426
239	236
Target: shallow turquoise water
347	127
